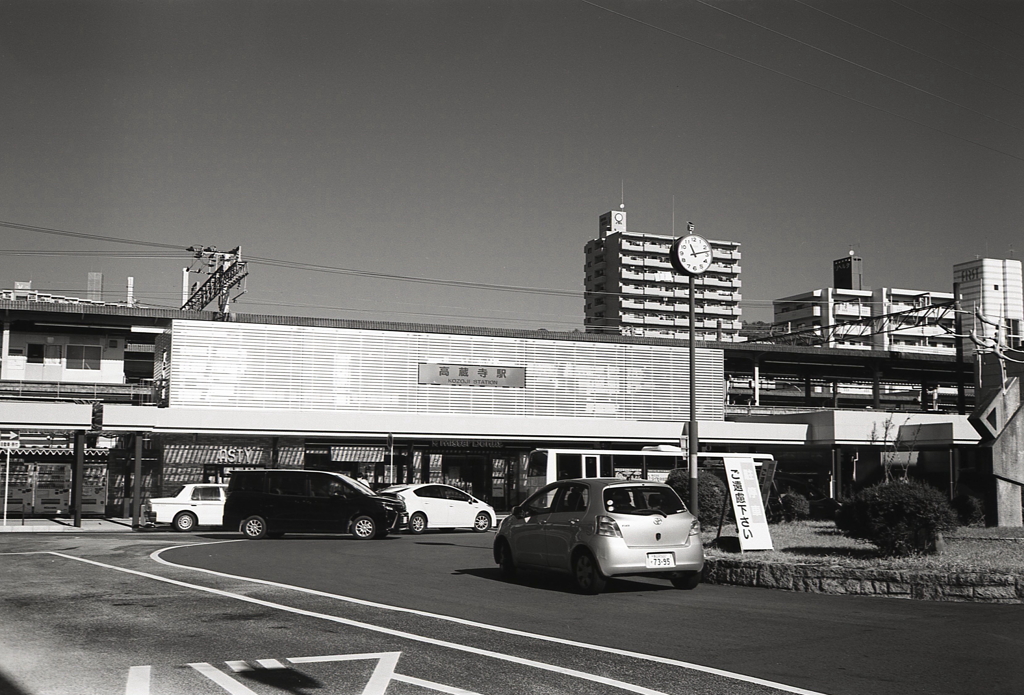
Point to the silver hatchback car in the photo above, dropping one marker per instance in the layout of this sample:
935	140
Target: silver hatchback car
596	528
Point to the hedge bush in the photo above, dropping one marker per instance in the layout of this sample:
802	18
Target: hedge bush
795	506
711	495
901	517
970	510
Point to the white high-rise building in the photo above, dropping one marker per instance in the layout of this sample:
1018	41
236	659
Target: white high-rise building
992	299
632	289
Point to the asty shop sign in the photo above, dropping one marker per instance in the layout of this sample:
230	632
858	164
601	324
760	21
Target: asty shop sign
747	506
472	375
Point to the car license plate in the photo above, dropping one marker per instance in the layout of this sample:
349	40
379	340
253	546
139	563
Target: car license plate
660	560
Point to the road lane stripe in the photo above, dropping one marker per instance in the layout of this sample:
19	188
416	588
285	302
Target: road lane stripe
138	680
441	643
270	663
155	555
430	685
239	666
222	679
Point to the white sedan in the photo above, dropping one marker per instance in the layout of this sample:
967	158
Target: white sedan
195	504
443	506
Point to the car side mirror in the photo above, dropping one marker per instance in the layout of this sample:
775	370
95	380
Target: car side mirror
518	512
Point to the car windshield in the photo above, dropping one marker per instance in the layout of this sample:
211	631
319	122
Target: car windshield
362	487
176	491
642	499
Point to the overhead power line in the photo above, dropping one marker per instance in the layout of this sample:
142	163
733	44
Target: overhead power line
802	81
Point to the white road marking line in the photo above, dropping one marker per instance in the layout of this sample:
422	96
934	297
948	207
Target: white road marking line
226	682
382	674
138	680
238	666
222	679
155	555
441	643
430	685
339	657
433	686
270	663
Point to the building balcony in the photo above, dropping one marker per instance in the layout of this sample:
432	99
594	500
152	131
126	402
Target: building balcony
140	393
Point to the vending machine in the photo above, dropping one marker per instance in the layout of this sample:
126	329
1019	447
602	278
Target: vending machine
19	487
94	489
52	489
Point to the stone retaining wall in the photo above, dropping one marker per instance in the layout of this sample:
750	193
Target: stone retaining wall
820	579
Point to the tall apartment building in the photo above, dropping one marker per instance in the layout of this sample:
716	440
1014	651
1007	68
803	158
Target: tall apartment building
632	289
992	300
847	315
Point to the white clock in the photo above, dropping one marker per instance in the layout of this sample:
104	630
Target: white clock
691	254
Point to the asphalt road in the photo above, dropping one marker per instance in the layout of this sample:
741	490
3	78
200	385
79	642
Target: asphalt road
133	614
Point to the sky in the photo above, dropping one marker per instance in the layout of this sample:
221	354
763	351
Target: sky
446	161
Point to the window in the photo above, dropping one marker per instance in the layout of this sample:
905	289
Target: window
574	499
84	357
542	502
641	500
457	495
325	485
38	353
206	494
287	484
431	491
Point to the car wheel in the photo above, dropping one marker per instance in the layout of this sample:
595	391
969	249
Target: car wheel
505	561
184	521
418	523
254	528
482	522
364	528
686	580
586	574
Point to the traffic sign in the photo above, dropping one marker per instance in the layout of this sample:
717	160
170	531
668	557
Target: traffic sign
9	439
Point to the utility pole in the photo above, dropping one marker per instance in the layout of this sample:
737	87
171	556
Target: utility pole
226	270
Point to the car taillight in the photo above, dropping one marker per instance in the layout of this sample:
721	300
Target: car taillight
606	526
694	528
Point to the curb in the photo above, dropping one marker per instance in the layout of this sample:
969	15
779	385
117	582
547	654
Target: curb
986	587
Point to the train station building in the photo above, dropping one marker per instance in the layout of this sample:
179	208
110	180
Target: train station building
423	403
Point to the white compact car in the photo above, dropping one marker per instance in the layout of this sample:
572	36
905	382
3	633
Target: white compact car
195	504
431	505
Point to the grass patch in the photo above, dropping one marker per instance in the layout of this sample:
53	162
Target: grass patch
968	549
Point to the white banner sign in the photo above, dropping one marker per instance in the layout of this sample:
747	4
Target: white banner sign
751	520
9	439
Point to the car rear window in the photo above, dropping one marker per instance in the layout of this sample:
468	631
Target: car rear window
642	499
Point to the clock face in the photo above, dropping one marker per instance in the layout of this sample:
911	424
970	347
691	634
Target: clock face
691	254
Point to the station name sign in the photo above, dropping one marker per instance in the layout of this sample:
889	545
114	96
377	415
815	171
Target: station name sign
472	375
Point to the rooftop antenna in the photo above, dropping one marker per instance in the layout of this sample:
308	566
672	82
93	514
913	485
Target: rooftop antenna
673	215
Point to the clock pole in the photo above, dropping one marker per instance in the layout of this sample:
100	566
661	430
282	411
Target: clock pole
692	445
691	256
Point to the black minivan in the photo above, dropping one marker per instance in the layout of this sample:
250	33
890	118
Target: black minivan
272	502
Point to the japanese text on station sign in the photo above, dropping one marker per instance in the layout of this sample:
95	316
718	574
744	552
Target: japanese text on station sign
472	375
